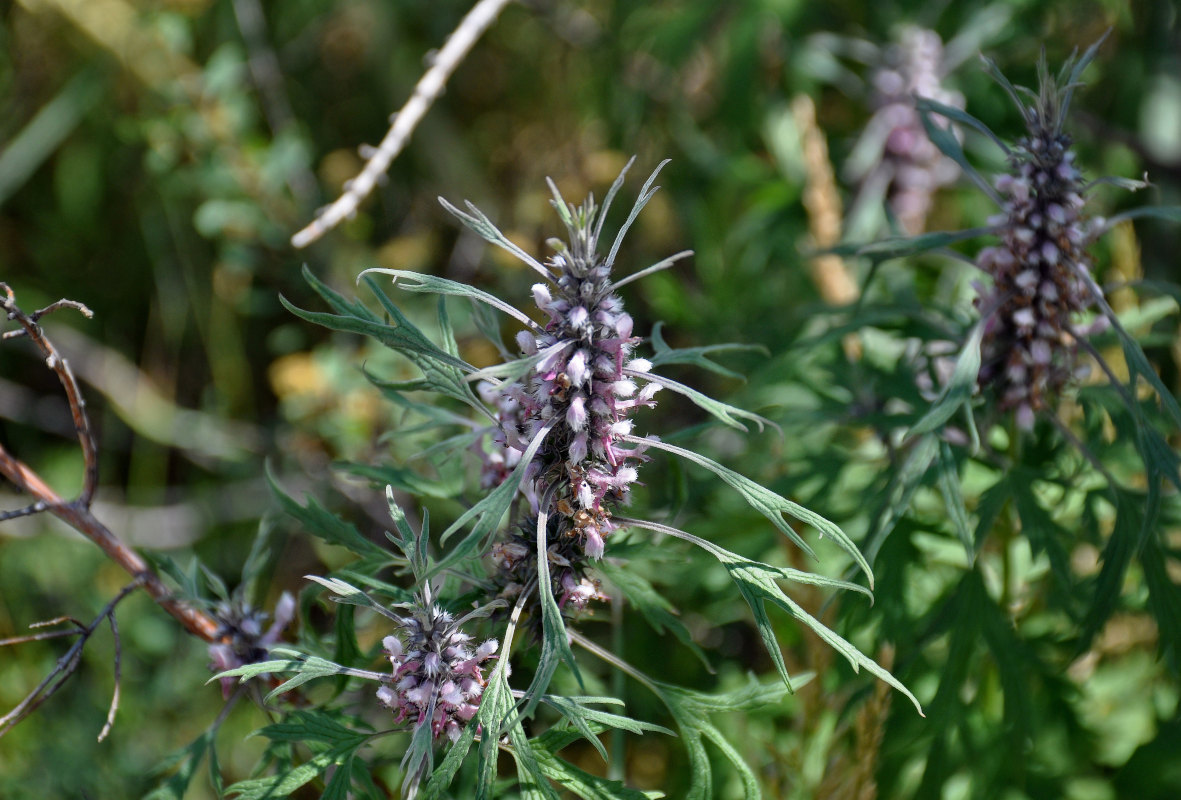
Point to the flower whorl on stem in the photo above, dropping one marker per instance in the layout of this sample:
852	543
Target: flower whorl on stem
582	387
436	675
1039	267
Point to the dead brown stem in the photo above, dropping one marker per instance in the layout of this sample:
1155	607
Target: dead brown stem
77	513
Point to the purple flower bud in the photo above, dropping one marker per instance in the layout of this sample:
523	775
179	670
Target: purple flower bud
527	343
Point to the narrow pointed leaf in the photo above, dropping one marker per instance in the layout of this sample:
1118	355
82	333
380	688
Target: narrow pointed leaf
769	504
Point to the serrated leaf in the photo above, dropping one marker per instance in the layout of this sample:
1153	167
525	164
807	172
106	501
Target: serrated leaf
580	782
902	246
1164	600
692	711
280	786
756	583
769	504
483	227
189	758
445	773
350	595
341	782
1015	664
516	369
581	716
312	725
646	192
948	478
306	668
355	318
652	604
496	705
1044	534
555	644
945	140
663	354
488	511
448	377
396	593
407	480
900	490
959	389
1117	556
325	525
1138	364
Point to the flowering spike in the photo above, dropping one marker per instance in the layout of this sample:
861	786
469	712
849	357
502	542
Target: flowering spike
436	677
1039	267
585	389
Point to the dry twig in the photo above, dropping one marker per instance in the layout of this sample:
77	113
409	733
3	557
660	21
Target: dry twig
403	122
68	663
77	515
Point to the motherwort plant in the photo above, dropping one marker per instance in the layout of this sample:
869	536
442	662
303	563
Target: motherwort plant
559	456
1036	462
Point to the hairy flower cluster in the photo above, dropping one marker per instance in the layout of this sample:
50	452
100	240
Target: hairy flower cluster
436	674
579	395
915	168
1037	270
242	639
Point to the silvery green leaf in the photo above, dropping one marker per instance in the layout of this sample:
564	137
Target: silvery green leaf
285	783
769	504
903	484
756	583
325	525
719	410
488	511
652	604
646	192
433	284
959	388
663	354
353	317
576	781
555	644
662	264
692	711
950	147
304	725
949	486
616	185
483	226
926	104
589	721
350	595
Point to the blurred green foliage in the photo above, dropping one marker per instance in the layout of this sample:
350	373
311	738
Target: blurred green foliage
154	169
